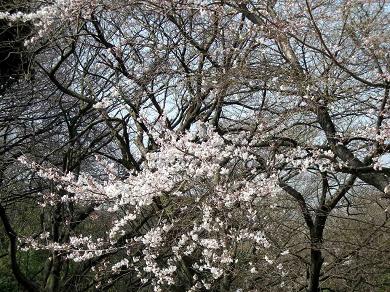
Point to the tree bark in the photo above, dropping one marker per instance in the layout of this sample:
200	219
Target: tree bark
316	258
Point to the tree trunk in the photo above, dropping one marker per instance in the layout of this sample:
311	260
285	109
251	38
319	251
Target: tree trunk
316	261
316	258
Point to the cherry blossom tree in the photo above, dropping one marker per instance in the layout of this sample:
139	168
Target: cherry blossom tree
229	121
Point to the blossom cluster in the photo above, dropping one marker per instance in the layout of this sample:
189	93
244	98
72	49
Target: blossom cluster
51	14
196	208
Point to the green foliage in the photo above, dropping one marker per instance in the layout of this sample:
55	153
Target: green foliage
7	280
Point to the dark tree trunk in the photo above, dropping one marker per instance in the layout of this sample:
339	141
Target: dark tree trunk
316	261
316	258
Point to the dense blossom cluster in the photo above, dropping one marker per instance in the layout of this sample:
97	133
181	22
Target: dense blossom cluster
195	172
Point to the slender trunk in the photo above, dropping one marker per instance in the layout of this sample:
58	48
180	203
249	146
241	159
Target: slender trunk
52	284
316	261
316	258
26	283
